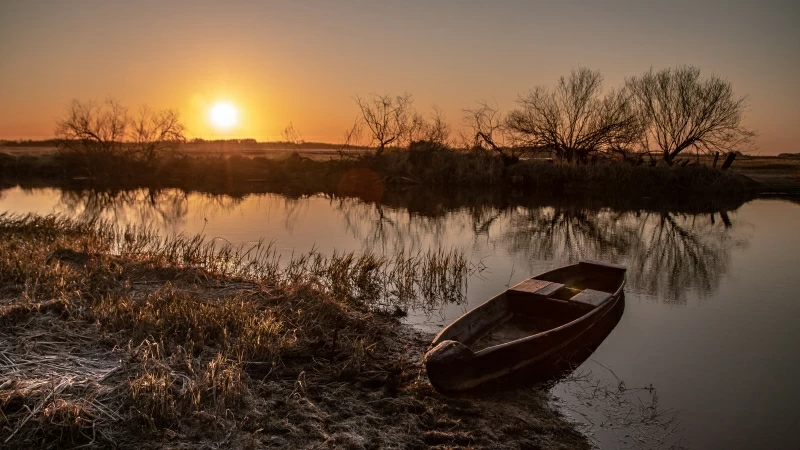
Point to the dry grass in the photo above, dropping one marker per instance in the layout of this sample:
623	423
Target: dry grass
120	338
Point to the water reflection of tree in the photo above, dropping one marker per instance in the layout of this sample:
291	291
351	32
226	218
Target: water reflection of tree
668	254
388	228
126	206
566	234
679	252
162	208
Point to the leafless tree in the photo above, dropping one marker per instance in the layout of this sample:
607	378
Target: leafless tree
575	120
291	136
98	133
683	111
386	117
351	138
434	129
487	127
155	133
89	129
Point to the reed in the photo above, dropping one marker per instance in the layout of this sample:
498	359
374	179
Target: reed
118	337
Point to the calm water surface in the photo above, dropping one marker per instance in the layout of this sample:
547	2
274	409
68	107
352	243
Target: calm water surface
711	313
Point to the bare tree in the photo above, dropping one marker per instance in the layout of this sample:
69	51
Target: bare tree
435	130
438	128
89	129
488	129
682	112
351	138
99	133
155	133
575	120
386	117
291	136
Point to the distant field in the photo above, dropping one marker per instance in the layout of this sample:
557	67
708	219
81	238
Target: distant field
21	151
781	175
206	149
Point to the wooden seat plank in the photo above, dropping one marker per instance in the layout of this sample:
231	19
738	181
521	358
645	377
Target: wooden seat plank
550	289
534	286
591	297
530	286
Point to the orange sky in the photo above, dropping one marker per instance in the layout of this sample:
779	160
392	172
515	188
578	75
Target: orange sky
304	61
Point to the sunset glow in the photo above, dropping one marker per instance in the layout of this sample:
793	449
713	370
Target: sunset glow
269	79
223	116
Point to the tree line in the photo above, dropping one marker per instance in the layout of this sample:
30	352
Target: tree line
658	114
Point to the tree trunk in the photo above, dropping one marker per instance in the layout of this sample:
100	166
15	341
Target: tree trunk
668	157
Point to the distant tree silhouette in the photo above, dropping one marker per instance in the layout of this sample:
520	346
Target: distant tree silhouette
683	112
575	119
435	130
488	130
350	139
91	129
154	133
99	134
387	118
291	136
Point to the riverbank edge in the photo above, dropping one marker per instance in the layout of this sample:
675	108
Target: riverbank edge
368	176
139	352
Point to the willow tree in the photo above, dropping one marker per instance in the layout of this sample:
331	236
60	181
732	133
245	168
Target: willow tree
575	119
683	112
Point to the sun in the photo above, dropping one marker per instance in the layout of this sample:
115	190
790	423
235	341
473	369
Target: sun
223	116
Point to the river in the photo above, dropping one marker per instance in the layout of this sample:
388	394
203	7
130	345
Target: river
704	356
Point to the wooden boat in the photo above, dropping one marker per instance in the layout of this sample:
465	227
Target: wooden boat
529	323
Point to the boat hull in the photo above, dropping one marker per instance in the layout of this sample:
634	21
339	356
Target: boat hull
457	362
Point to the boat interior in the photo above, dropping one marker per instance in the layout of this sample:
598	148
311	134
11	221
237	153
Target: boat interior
539	304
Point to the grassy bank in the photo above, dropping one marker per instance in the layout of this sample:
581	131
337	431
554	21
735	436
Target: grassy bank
116	337
369	176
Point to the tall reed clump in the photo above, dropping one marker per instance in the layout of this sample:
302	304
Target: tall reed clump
401	279
105	332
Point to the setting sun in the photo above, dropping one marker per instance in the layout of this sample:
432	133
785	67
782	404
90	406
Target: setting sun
223	116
